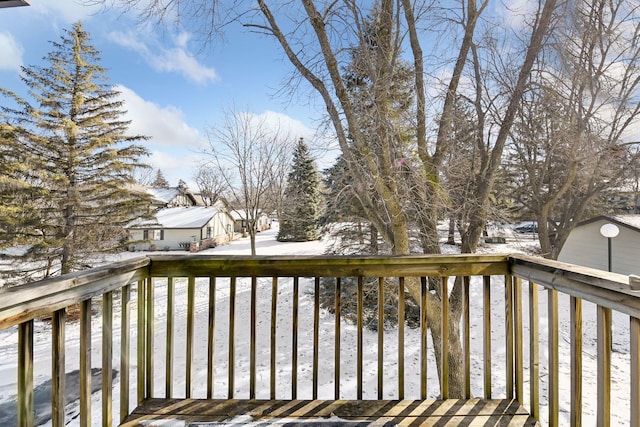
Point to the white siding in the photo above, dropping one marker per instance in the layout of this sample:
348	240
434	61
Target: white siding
219	226
586	246
173	238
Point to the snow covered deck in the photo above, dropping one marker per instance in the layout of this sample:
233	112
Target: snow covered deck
239	332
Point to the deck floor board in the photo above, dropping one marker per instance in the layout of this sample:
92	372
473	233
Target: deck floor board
451	412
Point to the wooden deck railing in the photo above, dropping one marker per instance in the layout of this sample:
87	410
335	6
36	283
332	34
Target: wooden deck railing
194	326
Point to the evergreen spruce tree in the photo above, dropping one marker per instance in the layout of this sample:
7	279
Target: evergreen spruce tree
19	215
71	143
301	209
160	181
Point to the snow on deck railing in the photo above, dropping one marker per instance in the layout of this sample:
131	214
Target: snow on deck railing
254	327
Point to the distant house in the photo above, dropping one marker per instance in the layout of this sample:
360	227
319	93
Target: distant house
263	222
586	246
193	228
172	197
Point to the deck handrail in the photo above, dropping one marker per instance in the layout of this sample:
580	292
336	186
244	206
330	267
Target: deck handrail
21	305
611	290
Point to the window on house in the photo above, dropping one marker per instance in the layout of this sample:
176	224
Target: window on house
157	234
209	232
145	234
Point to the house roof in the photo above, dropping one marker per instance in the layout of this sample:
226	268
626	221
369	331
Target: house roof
183	217
12	3
628	221
163	195
166	195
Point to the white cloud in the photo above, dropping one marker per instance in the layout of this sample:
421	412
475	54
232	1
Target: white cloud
285	124
515	13
10	52
173	144
167	59
176	167
323	146
165	125
68	11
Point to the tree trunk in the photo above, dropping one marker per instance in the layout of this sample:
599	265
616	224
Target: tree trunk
452	230
487	180
374	240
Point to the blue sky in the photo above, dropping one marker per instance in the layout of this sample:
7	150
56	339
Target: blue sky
173	88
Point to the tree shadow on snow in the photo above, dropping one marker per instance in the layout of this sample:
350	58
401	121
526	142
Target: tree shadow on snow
42	398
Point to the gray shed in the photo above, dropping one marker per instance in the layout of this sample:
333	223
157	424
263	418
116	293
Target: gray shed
586	246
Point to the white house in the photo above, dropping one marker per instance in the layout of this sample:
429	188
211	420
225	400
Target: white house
263	222
171	197
588	247
193	228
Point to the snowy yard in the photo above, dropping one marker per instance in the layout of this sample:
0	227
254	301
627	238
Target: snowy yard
267	245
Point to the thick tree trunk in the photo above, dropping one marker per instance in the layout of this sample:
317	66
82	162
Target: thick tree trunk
434	322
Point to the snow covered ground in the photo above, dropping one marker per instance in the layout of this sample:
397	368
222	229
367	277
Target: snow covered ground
267	245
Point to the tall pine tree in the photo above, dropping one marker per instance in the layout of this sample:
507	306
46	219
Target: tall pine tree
160	181
302	208
73	146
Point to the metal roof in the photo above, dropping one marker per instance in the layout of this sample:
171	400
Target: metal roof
629	221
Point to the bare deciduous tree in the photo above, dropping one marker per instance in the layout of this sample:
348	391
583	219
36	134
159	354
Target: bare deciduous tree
245	150
567	141
210	182
396	175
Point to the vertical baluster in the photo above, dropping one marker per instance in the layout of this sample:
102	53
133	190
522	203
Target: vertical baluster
141	342
125	350
534	352
634	331
232	333
359	338
211	335
576	361
252	338
517	326
444	318
150	322
25	374
466	344
274	318
424	327
380	337
508	325
553	358
168	368
336	390
107	357
316	336
85	363
58	373
486	337
604	365
191	301
294	340
401	297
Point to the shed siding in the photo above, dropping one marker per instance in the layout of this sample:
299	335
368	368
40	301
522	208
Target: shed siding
586	246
